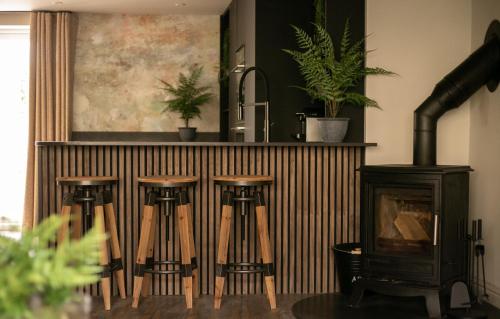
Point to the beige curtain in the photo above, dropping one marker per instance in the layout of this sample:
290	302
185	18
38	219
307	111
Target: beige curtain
50	97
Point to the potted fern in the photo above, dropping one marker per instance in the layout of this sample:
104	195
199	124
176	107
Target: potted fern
187	97
330	78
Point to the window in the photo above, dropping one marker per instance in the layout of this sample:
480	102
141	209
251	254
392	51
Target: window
14	110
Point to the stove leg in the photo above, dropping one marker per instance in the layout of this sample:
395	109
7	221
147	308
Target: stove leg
433	304
357	294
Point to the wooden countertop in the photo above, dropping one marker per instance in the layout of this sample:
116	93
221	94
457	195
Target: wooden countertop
166	143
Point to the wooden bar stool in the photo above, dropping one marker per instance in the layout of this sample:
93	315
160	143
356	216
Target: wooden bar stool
90	195
248	193
174	194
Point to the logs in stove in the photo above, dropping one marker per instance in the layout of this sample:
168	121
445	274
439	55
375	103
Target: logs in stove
414	217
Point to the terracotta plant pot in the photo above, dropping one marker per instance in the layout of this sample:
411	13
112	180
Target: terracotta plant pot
187	134
333	129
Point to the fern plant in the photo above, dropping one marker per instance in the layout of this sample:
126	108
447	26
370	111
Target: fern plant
188	96
32	268
330	78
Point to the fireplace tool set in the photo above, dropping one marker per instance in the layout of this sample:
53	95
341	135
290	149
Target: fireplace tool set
461	300
477	251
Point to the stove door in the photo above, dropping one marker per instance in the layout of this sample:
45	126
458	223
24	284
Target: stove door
403	221
401	227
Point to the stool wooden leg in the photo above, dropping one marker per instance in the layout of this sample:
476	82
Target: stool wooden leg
116	261
194	262
265	246
147	221
225	229
187	272
76	221
104	259
68	202
146	284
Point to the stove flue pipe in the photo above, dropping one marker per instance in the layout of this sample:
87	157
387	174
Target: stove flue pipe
480	68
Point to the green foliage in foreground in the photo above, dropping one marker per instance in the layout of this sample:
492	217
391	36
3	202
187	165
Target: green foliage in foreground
34	267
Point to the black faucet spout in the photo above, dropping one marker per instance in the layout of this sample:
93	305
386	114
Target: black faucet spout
242	81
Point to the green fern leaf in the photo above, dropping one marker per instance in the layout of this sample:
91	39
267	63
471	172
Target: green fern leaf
345	43
188	96
329	79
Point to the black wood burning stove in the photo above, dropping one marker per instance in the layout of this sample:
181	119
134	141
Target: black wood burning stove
414	228
414	217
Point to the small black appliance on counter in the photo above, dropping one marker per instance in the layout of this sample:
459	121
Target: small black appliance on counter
307	126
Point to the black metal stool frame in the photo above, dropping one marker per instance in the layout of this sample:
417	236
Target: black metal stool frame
170	199
87	196
176	200
245	197
84	195
266	267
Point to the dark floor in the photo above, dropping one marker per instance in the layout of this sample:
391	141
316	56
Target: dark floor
256	306
166	307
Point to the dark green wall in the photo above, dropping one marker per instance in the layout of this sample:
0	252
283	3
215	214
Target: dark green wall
337	11
273	33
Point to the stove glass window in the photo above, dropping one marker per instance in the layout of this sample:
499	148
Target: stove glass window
404	222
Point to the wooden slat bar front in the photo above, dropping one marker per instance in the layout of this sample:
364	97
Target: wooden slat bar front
312	205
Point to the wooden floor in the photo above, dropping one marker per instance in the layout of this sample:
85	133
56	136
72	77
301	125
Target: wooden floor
256	306
166	307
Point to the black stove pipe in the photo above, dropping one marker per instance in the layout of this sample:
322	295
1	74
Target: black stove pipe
480	68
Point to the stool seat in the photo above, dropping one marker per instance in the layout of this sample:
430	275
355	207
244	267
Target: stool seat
243	180
167	181
87	180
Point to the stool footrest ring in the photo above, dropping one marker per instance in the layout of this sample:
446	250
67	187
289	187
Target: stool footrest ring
166	262
163	272
149	267
244	199
245	268
80	199
165	199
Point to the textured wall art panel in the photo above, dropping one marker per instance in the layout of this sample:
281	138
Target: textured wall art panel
120	59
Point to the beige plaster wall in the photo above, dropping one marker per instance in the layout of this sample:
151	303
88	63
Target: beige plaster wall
485	154
120	59
421	41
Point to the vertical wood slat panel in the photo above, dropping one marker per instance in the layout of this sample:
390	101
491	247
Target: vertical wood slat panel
299	218
314	204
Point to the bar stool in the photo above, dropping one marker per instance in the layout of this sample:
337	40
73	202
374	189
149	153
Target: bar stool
174	194
247	193
89	190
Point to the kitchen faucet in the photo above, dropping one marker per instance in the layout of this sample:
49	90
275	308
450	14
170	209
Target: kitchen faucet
265	104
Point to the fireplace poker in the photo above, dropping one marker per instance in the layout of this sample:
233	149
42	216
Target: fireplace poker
478	238
476	249
472	253
480	251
